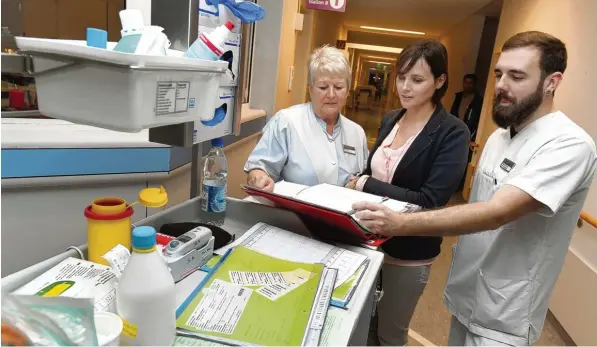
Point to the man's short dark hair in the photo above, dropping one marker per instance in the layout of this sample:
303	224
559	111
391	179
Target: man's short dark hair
436	56
554	56
470	76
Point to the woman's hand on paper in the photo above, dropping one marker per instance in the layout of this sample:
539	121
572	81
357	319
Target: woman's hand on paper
352	182
378	218
260	180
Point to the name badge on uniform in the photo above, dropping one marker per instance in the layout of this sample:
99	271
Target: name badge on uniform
349	150
507	165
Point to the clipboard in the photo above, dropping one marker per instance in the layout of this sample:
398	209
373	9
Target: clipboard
325	222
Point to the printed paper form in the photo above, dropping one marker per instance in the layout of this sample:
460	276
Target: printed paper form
248	278
221	307
342	292
289	189
245	278
335	197
192	341
76	278
282	244
289	246
263	322
275	291
332	329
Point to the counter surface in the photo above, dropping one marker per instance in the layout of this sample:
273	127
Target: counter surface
54	133
349	327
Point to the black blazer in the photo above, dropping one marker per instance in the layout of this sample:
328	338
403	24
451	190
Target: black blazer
428	175
472	114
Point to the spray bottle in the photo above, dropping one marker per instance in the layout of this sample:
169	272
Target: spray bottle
209	46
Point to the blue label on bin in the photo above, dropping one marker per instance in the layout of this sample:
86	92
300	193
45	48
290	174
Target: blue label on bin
213	199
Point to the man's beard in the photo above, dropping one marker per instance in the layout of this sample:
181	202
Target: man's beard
518	111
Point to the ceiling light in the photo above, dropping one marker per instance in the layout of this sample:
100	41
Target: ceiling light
378	62
373	57
374	48
393	30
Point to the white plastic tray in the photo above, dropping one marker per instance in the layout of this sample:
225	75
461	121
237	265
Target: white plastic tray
120	91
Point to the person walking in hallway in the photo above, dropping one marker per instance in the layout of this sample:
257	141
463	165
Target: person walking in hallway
419	157
532	180
468	103
467	107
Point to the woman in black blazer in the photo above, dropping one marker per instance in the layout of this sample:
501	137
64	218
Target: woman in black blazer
419	157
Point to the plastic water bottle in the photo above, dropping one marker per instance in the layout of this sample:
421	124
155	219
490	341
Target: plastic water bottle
215	181
146	295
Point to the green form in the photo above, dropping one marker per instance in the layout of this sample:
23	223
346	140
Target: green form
342	294
213	261
254	298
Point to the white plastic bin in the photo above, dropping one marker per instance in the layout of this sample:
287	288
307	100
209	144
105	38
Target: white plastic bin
120	91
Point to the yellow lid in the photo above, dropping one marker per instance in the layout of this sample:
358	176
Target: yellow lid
153	197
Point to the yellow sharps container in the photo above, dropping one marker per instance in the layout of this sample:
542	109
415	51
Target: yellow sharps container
109	221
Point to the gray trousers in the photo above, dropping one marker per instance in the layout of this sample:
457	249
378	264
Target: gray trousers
402	287
461	336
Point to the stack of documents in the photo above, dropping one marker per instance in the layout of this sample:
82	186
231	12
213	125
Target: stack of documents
255	299
289	246
337	198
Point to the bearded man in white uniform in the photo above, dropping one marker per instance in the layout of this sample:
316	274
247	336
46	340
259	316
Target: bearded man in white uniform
529	188
312	143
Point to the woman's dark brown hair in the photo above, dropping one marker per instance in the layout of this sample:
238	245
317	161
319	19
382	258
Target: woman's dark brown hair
436	56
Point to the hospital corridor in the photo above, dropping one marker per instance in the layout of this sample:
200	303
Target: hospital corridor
298	173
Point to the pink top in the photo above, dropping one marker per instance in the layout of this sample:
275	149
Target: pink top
385	160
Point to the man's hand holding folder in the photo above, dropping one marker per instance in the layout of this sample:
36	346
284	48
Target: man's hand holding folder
331	206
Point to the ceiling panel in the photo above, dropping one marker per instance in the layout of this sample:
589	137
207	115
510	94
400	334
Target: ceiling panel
429	16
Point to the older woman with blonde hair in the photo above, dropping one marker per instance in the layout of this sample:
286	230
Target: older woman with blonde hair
312	143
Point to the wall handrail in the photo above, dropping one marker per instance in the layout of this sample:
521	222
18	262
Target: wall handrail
588	218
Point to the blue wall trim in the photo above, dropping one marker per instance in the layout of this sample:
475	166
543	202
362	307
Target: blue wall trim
48	162
17	163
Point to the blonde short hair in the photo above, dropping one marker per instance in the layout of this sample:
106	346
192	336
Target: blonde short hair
329	60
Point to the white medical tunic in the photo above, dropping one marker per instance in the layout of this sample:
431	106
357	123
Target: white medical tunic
295	147
501	280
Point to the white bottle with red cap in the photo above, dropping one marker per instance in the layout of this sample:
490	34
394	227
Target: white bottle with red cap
210	46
